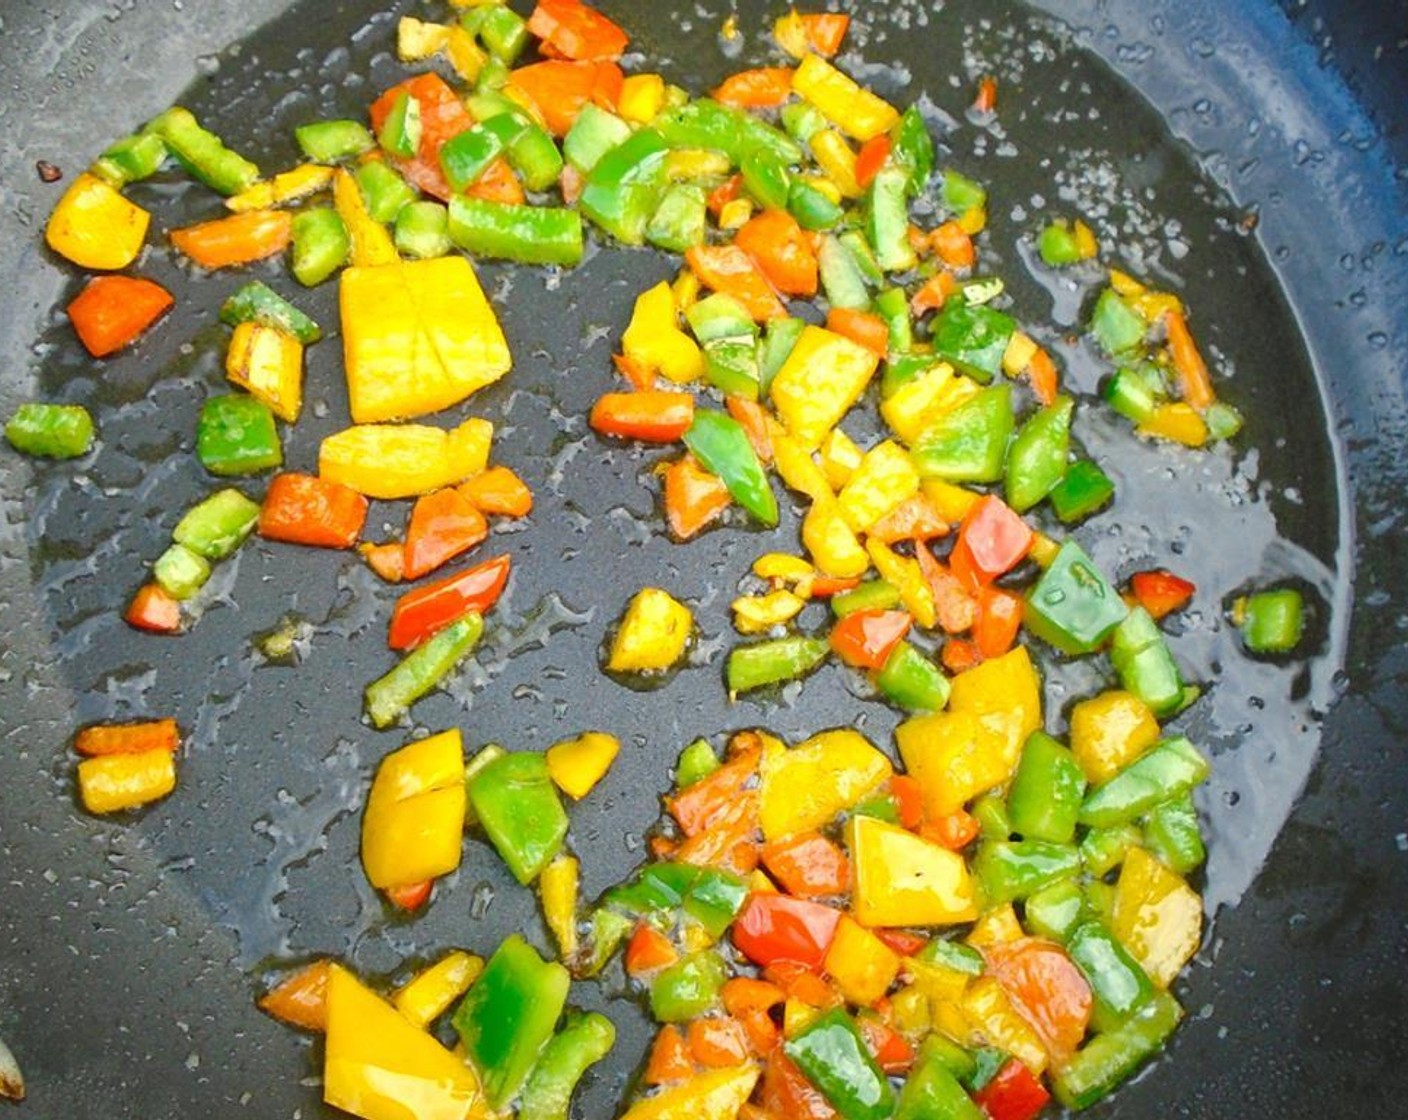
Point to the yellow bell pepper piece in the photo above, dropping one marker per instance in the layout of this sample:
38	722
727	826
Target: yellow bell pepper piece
718	1094
798	469
694	938
952	501
268	363
912	407
1086	244
885	478
686	165
839	458
287	186
996	1022
1177	422
558	885
997	927
909	1010
95	227
797	1017
1110	731
758	882
465	56
837	158
853	109
417	40
113	782
258	197
973	220
1005	696
862	965
824	185
653	634
403	460
908	579
780	567
576	765
942	990
735	213
685	289
654	338
1126	285
1021	349
371	242
952	757
413	827
832	543
417	337
642	97
901	879
804	788
756	614
791	34
1157	916
1043	550
819	382
429	993
380	1066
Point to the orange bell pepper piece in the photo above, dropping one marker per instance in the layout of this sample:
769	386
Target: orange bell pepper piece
575	31
825	31
781	250
909	798
498	183
911	520
701	805
1160	592
861	327
954	246
1046	987
559	88
934	294
670	1060
1194	381
238	239
411	896
153	610
302	509
763	88
954	607
728	269
998	620
301	1000
659	416
808	865
986	101
954	831
442	526
128	738
718	1042
113	310
1043	377
386	560
500	492
871	158
648	951
420	613
754	419
693	497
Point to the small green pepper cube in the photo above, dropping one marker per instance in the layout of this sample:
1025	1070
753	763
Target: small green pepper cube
932	1092
1104	849
773	662
1119	985
1008	870
688	988
731	366
1172	833
237	435
911	680
1054	911
1117	326
51	431
256	302
535	156
1172	768
765	177
1073	606
777	346
1046	793
1271	621
842	278
1131	394
680	221
968	443
1058	246
832	1054
973	338
131	159
913	149
385	192
504	32
812	209
217	526
519	807
594	133
1085	489
330	141
320	245
180	572
1036	462
1112	1057
720	316
954	955
464	158
422	231
697	761
961	193
802	120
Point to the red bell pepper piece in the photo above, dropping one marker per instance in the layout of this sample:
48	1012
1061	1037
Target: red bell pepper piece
303	509
443	525
871	158
693	497
703	804
442	117
426	610
1160	592
1048	989
128	738
152	609
577	32
992	540
112	311
934	293
754	419
746	993
959	655
412	896
724	193
999	618
823	587
786	1092
559	88
773	927
764	88
728	269
808	865
825	31
659	416
1014	1094
648	950
903	942
782	251
861	327
498	183
865	639
892	1053
500	492
986	101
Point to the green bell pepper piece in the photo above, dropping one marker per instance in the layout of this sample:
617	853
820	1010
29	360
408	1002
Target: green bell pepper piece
696	762
1172	833
990	810
841	277
961	193
1008	870
1104	849
932	1092
912	681
1117	326
535	156
464	158
883	807
714	900
609	929
1058	246
1073	606
833	1056
765	177
1140	655
718	317
1037	459
1055	911
681	221
710	896
423	231
777	346
912	148
773	662
504	32
987	1064
1223	420
888	220
1044	799
812	209
236	435
180	572
519	808
493	75
1083	490
202	153
256	302
1108	1059
949	1054
731	367
489	753
801	120
872	595
974	339
1172	768
389	697
864	257
969	442
584	1041
217	526
892	305
384	191
594	133
1271	621
1119	985
507	1018
399	134
720	444
688	988
526	234
622	192
953	954
707	124
320	245
1099	900
51	431
331	141
901	369
1132	395
131	159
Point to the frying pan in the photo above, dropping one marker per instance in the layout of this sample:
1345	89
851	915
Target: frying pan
1272	135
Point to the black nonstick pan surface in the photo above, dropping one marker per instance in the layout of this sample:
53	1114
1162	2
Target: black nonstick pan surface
1250	154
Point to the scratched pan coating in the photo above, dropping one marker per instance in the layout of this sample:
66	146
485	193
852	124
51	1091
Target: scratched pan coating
130	953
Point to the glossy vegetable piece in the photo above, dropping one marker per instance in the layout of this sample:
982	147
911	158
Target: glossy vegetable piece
95	227
1008	870
576	765
1110	731
1158	918
654	339
389	697
1112	1057
1045	797
301	999
236	240
992	540
256	302
427	610
832	1053
442	526
518	806
774	662
856	111
236	435
621	192
866	639
1172	768
1084	490
653	416
774	927
862	966
1120	986
904	880
722	447
807	786
404	460
428	994
821	379
1145	665
1073	606
268	363
582	1042
558	887
1271	622
1014	1094
115	782
688	988
413	826
1172	834
112	311
912	681
202	153
933	1092
653	635
53	431
717	1094
302	509
508	1017
1036	462
321	245
968	443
